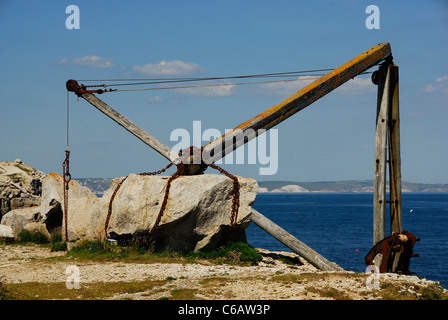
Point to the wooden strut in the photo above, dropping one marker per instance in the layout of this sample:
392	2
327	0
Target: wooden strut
227	143
387	144
293	243
224	145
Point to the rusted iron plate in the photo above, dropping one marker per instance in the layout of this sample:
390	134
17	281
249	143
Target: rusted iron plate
396	251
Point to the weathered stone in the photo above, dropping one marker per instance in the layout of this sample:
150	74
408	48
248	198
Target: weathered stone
24	202
81	204
37	227
17	219
6	231
197	215
20	186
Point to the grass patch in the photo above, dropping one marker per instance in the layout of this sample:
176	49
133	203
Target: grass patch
433	292
299	278
329	292
89	291
37	237
183	294
5	294
410	291
213	281
234	253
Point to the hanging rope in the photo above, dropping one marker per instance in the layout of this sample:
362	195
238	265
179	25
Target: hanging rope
66	174
185	155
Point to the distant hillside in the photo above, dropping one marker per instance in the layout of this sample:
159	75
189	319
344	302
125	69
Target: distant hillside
343	186
100	185
97	185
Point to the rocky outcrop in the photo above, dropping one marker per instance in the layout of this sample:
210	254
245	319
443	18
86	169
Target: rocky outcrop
6	231
81	203
20	186
48	217
197	215
17	219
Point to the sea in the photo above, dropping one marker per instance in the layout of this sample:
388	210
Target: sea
339	226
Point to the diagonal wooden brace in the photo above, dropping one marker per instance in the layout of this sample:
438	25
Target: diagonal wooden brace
227	143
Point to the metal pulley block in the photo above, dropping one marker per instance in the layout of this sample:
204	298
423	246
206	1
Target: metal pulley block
393	253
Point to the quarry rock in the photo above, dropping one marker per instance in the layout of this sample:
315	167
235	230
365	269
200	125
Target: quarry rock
20	186
38	227
196	217
81	204
48	217
6	231
17	219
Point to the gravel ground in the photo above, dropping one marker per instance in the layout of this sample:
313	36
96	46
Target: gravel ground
270	279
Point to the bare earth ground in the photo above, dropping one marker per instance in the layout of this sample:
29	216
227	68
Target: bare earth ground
272	279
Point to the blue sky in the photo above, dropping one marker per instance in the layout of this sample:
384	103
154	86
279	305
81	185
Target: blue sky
333	139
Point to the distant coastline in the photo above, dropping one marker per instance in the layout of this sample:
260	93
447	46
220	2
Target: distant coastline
341	186
100	185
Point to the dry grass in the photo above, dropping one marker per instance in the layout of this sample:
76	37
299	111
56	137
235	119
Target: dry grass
228	281
59	291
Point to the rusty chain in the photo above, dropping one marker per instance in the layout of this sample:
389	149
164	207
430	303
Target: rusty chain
235	196
109	212
184	158
67	178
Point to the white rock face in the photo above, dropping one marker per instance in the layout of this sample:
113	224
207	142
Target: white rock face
291	188
196	217
20	186
49	215
6	231
81	204
17	219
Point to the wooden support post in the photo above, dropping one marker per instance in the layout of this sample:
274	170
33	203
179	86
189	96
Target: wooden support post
131	127
379	184
224	145
396	224
293	243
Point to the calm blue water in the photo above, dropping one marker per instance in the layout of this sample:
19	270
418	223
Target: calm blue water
339	226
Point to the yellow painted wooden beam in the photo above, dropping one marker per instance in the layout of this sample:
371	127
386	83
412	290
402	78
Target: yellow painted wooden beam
301	99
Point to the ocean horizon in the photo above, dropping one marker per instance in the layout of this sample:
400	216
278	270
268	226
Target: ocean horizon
339	226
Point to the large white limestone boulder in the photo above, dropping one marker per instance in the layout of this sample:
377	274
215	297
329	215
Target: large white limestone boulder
196	217
81	204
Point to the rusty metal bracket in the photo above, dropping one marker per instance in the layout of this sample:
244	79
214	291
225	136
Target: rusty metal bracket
73	86
396	251
386	62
